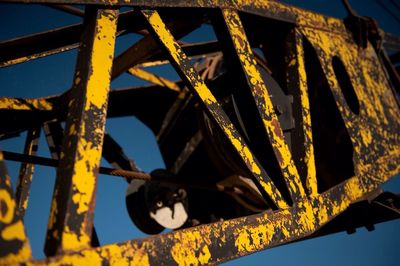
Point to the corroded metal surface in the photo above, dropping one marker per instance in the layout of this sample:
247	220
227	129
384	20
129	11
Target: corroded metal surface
152	78
362	104
297	79
263	101
26	172
71	217
183	67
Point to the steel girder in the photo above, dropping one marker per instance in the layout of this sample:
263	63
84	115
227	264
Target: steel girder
297	213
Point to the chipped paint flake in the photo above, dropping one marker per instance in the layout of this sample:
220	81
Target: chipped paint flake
7	207
14	231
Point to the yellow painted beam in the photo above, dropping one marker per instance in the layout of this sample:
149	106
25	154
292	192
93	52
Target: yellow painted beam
263	102
26	172
150	77
24	59
71	217
374	131
182	64
297	82
24	104
221	241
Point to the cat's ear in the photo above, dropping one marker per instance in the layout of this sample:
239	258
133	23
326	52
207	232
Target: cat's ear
182	194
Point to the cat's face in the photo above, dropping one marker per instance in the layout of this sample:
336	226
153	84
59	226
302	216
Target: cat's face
153	206
168	206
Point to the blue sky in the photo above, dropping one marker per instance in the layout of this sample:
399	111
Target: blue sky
53	75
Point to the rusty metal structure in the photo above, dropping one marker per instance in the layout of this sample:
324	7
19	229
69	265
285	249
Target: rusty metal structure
303	105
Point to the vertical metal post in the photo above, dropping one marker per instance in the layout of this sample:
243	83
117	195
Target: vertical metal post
297	81
236	35
71	217
26	172
54	134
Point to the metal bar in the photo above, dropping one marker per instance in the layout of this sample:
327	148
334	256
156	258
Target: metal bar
297	83
146	47
54	134
135	54
70	222
29	159
38	45
21	114
373	129
26	172
69	9
244	55
128	174
391	42
24	104
66	38
187	151
218	242
200	89
115	156
173	114
55	41
152	78
193	50
267	8
13	242
27	58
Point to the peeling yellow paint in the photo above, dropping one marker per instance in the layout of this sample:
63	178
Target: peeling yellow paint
7	203
189	246
53	212
24	254
189	251
14	231
210	101
142	74
251	239
321	213
366	136
84	182
73	241
25	104
193	246
309	159
87	152
306	216
72	130
36	56
205	255
266	109
103	50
